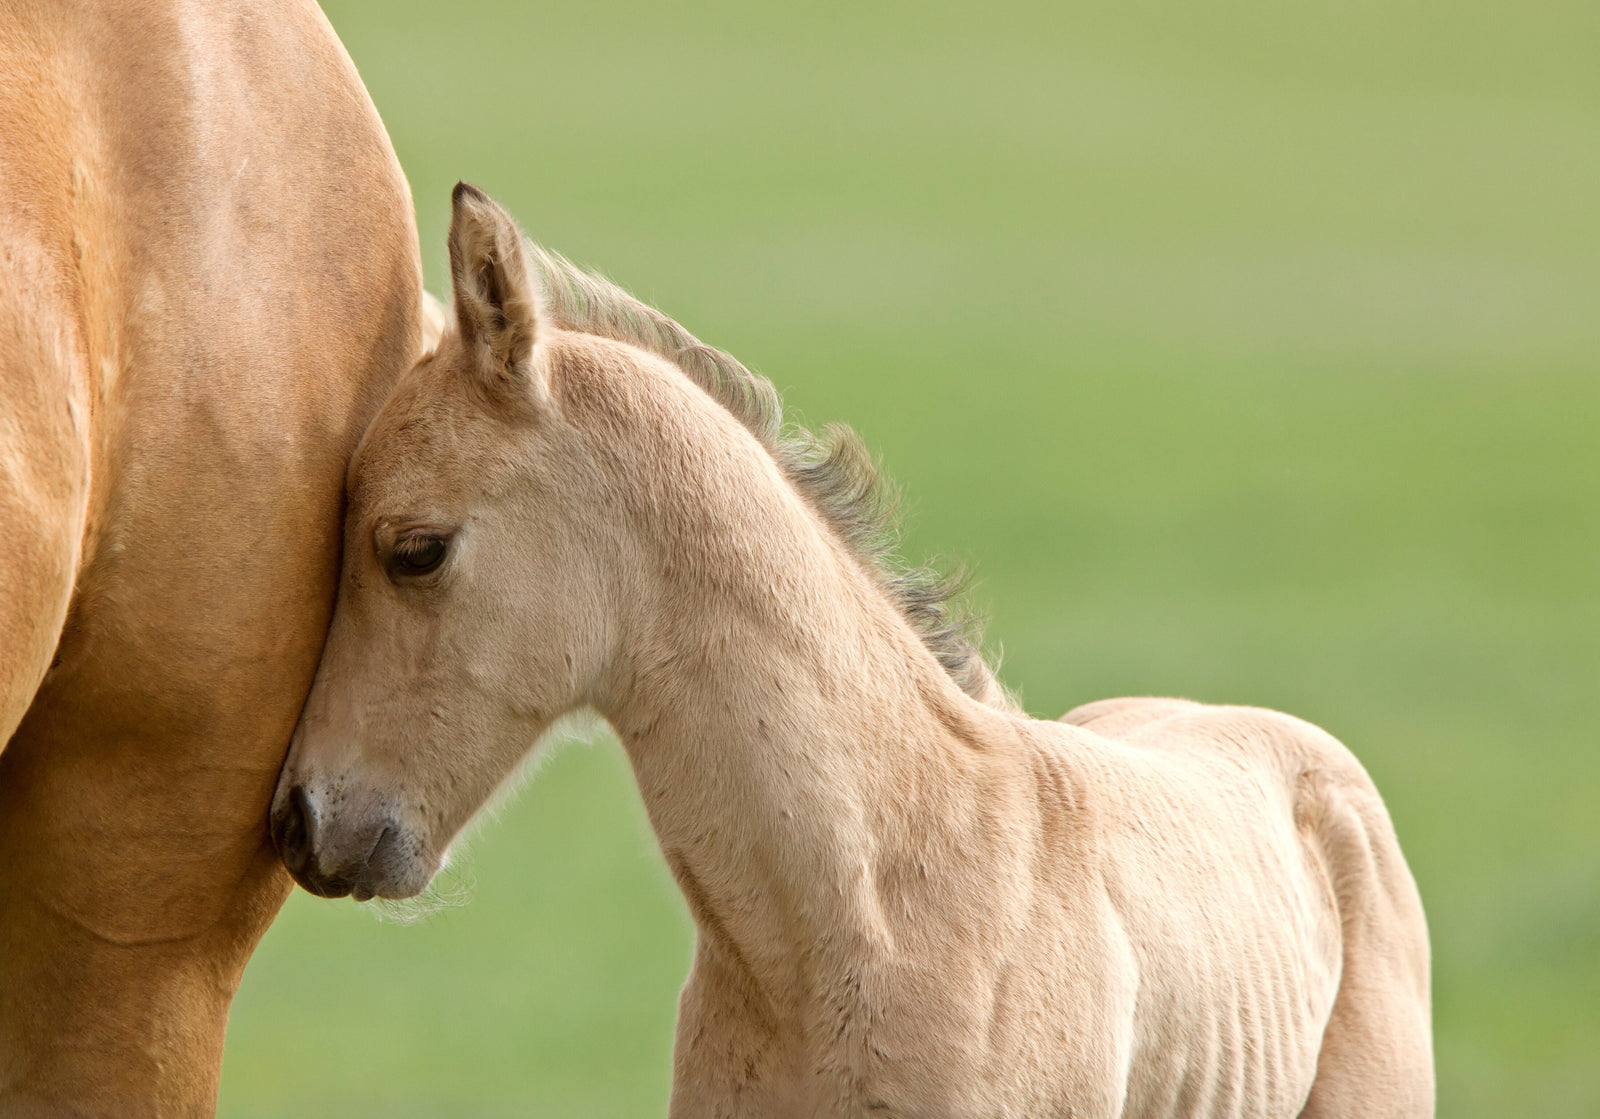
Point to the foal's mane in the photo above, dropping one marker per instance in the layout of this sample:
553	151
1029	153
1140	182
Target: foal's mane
832	468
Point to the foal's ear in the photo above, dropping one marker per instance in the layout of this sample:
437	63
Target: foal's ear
497	308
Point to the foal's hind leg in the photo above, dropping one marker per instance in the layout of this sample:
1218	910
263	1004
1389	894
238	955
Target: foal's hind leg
1376	1060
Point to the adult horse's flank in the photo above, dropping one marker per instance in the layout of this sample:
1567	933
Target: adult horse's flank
208	282
910	899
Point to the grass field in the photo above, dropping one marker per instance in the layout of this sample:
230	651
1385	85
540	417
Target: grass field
1247	351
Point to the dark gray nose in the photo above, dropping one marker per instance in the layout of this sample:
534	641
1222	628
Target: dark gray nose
294	831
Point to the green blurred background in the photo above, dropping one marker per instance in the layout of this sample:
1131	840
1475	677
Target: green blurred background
1247	351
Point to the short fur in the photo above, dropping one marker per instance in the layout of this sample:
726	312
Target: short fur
209	280
907	902
832	468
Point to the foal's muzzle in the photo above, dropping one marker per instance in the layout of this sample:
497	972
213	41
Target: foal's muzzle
333	865
294	834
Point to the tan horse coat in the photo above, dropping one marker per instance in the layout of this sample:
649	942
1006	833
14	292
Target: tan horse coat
909	898
208	281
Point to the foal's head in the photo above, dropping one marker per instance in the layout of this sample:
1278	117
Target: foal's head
537	503
473	604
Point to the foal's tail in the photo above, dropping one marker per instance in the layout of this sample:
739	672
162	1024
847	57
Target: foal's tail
1376	1058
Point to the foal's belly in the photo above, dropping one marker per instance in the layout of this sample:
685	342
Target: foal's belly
1238	1060
1236	949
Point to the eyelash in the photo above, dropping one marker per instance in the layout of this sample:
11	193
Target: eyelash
428	548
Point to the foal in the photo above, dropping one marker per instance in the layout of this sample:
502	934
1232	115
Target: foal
910	899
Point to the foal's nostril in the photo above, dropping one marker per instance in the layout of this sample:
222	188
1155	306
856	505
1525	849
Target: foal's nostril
292	831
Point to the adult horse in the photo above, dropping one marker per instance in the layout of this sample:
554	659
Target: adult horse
208	281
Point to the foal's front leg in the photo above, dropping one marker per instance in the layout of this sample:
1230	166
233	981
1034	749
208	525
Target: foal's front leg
730	1057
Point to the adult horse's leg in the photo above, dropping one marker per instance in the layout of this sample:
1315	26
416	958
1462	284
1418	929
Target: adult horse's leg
239	255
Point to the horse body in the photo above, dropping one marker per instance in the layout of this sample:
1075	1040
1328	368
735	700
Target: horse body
1039	919
909	898
208	281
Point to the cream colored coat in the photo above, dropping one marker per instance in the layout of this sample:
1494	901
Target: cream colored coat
208	281
909	898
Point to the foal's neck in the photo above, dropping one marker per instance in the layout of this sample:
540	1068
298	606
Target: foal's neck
791	736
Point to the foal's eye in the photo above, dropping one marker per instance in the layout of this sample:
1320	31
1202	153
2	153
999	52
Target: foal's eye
418	554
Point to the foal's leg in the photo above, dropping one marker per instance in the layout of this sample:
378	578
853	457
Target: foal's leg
726	1059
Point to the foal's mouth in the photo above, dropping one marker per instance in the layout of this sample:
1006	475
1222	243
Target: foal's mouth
359	883
361	889
296	831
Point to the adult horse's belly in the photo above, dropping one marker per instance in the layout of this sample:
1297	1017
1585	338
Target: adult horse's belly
211	243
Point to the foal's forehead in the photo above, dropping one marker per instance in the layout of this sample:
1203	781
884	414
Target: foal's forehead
418	434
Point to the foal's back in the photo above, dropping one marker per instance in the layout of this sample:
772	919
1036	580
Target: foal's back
1276	931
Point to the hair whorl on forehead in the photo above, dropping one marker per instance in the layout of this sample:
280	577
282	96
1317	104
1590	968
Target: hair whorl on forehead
832	468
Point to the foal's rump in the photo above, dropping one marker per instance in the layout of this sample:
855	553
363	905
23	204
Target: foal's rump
1271	911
